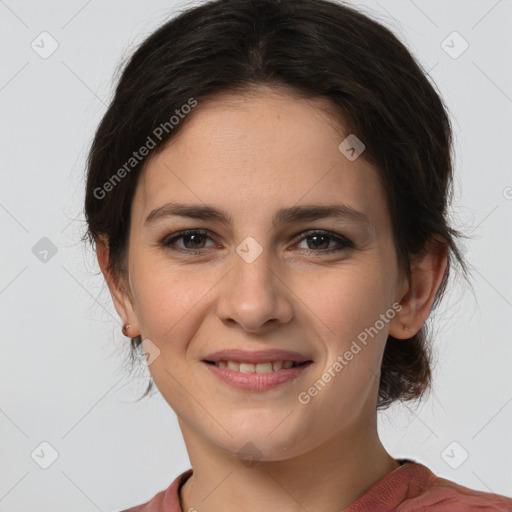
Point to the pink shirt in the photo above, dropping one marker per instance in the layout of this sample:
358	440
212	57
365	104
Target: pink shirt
410	488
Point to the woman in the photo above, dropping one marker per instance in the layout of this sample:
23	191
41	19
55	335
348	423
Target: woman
267	194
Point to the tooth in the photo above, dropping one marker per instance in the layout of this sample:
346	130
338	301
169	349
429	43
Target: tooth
263	367
246	367
258	368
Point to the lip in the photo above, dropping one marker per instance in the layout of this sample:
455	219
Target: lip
257	381
255	357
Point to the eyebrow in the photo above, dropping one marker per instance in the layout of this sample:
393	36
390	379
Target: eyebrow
308	212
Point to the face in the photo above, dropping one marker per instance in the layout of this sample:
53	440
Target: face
261	273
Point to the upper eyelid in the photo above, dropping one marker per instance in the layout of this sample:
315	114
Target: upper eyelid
337	238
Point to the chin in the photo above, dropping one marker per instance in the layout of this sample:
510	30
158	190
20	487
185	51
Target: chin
250	451
263	442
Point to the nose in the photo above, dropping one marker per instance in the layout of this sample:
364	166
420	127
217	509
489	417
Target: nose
254	295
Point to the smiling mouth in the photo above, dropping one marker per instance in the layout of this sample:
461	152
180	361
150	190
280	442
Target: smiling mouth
264	367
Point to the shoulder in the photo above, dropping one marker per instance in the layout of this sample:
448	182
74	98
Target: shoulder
442	494
413	487
168	500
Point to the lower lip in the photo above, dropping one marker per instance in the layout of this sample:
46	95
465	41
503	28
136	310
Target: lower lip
257	381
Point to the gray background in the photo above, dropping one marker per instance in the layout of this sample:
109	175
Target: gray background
61	373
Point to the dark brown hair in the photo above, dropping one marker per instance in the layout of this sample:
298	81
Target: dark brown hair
317	49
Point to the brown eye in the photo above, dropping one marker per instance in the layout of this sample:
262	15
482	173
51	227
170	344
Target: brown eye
192	240
195	240
319	241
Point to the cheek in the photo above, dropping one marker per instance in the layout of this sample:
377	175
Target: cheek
346	301
347	312
352	333
170	308
168	300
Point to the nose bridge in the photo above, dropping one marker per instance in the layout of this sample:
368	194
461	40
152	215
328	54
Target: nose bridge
254	293
253	272
253	263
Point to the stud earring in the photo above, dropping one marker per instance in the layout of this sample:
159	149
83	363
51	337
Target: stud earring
406	327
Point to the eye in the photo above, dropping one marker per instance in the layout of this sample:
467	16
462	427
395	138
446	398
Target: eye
322	239
194	241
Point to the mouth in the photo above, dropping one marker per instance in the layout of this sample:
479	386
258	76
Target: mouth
264	367
257	371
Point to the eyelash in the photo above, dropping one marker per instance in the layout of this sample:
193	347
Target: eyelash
343	243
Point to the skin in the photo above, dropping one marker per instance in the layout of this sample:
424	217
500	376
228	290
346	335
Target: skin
250	156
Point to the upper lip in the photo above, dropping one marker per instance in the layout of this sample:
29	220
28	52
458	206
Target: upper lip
260	356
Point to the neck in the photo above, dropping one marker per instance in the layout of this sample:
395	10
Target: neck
328	478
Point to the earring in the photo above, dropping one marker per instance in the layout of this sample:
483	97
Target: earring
125	330
406	327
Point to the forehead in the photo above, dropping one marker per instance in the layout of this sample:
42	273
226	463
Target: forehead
264	150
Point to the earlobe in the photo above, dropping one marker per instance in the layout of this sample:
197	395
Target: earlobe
427	273
121	298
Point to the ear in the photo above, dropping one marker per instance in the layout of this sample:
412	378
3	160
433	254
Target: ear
427	271
121	295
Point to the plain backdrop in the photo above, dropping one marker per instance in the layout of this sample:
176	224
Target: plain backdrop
67	402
